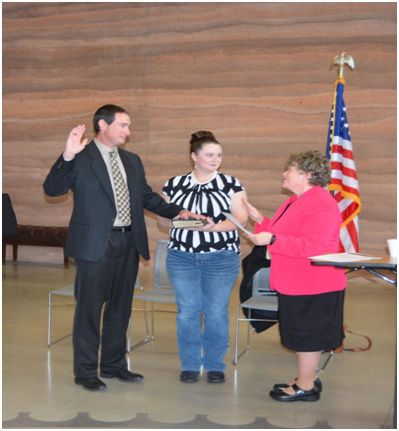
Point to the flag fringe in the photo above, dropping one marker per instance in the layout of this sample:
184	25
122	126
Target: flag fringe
347	195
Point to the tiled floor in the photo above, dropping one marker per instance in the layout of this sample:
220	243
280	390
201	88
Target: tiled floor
39	392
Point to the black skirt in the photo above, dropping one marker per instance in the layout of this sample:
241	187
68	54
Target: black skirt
311	323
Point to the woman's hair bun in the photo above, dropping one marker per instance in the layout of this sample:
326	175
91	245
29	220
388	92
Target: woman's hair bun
199	138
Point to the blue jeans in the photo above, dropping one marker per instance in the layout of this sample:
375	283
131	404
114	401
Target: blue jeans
202	283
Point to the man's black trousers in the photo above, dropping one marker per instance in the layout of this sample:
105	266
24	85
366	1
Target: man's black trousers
109	281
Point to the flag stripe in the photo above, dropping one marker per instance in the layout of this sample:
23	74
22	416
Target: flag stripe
345	180
347	162
345	176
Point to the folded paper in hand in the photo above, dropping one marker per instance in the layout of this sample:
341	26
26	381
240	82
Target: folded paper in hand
191	222
236	222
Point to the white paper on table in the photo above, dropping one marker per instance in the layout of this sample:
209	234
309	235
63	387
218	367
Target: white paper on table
344	257
236	222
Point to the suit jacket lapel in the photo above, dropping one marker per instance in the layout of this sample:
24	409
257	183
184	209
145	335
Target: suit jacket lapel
101	171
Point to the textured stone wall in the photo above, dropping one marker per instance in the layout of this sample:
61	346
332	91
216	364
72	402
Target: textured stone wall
256	74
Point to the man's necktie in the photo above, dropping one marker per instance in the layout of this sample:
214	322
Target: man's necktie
121	191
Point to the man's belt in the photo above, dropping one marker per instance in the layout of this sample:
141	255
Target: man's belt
121	228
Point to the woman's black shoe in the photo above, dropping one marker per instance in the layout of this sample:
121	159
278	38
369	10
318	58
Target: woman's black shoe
318	387
300	395
215	377
189	376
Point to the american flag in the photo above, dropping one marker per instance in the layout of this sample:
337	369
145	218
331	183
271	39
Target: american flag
344	185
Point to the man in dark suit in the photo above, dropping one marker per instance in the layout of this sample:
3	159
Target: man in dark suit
106	235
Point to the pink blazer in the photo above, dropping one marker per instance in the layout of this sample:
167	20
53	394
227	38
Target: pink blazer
310	226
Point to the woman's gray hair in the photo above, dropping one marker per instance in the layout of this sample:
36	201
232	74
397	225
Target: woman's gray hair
313	162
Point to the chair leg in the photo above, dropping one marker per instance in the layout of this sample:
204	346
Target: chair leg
330	356
152	321
147	329
49	321
248	329
146	339
237	355
50	306
235	362
129	330
14	253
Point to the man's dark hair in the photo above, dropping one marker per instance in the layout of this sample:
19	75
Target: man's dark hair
107	113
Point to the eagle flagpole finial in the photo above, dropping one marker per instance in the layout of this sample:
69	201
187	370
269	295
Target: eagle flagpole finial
340	61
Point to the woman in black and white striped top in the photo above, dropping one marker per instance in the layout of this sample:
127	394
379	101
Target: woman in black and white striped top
203	263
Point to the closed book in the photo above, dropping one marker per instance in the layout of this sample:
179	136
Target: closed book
182	223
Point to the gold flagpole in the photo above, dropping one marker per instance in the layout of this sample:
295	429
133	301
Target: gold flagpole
339	61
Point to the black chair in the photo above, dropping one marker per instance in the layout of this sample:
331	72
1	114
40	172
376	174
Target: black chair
9	219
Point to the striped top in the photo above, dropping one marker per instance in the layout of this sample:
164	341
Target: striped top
209	199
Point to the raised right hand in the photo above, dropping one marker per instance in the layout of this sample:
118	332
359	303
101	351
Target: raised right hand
75	142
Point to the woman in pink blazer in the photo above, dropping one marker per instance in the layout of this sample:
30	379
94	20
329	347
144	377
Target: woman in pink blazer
310	297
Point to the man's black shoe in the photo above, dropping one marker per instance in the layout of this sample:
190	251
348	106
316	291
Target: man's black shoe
215	377
91	383
189	376
123	375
